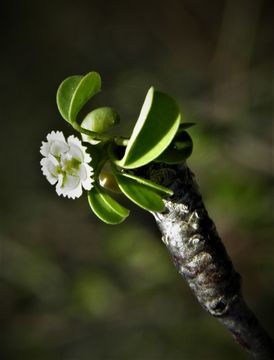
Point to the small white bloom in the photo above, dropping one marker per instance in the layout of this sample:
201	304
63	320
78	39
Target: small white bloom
65	164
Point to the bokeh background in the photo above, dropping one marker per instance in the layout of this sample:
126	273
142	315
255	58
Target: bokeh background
73	288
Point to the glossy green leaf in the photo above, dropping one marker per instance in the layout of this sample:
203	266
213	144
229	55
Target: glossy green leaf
161	190
100	120
155	128
74	92
140	193
179	149
65	93
105	207
89	85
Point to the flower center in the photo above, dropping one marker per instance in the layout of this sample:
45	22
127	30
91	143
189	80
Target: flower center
68	164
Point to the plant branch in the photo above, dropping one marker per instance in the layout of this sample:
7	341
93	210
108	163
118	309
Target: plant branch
200	257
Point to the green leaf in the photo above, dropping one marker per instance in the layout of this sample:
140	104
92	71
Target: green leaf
100	119
87	87
155	128
161	190
105	207
179	149
140	193
74	92
65	93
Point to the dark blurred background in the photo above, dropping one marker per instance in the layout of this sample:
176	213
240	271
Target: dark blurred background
73	288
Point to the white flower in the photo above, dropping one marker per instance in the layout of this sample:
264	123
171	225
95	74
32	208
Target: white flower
65	164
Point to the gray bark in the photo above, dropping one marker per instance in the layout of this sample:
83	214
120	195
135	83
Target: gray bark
200	257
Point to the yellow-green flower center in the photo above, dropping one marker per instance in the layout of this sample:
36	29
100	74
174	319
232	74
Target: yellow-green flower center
68	165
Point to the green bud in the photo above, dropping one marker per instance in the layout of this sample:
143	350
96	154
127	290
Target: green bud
100	120
108	182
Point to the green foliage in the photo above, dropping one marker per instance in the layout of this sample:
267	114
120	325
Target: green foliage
140	193
74	92
161	190
100	120
158	135
105	207
155	128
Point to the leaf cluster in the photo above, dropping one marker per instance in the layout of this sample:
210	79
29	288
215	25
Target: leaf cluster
158	135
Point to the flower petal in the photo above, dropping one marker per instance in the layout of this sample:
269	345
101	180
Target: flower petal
75	193
58	147
76	153
70	182
45	148
69	186
56	137
50	169
59	188
75	142
85	173
82	172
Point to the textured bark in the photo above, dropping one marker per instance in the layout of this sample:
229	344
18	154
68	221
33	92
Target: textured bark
200	257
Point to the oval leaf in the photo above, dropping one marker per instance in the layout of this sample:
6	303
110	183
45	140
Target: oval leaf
89	85
179	149
155	128
65	93
74	92
100	119
140	194
105	207
161	190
